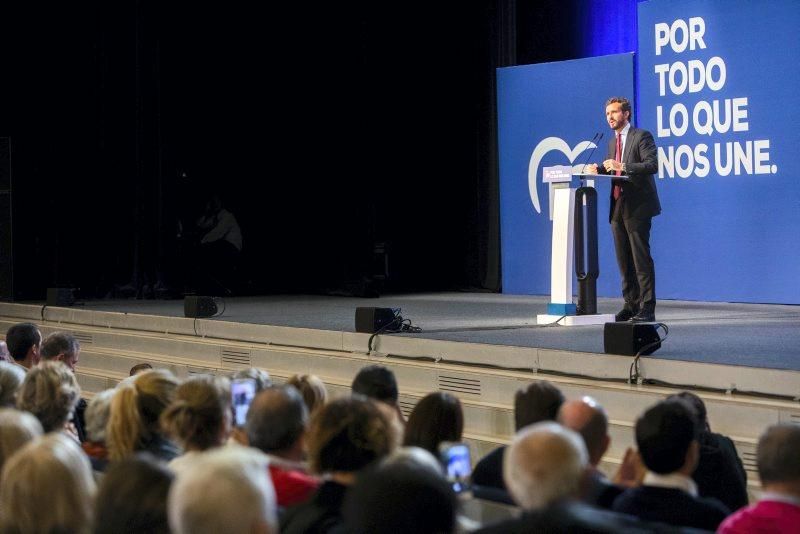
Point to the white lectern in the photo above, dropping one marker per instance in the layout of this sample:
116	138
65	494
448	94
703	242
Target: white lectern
563	182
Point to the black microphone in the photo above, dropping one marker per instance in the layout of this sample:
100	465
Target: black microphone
585	163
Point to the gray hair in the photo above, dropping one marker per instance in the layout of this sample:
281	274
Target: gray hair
229	490
97	414
59	343
543	464
11	378
263	381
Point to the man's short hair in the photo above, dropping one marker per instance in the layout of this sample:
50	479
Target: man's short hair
376	382
626	104
59	343
664	433
778	454
276	419
538	401
20	338
544	464
229	490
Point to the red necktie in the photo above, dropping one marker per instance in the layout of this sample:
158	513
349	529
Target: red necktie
618	157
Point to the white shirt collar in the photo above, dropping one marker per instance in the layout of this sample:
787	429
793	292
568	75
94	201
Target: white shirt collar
672	480
624	132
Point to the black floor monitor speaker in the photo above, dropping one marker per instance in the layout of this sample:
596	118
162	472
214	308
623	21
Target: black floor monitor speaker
370	320
60	296
197	306
629	338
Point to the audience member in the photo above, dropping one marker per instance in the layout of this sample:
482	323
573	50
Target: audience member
133	423
140	368
5	356
260	376
543	469
436	418
312	388
23	341
400	497
344	437
589	419
97	415
65	348
11	378
47	487
538	401
132	497
50	392
276	425
378	382
228	491
666	435
199	418
16	429
720	472
778	509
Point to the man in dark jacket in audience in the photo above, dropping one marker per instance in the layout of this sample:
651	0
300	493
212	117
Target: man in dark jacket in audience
666	435
720	473
589	419
538	401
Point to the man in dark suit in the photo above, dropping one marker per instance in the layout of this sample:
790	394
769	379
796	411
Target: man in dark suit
632	156
666	435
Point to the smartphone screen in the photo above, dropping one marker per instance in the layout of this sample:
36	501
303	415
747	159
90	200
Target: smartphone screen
242	392
456	460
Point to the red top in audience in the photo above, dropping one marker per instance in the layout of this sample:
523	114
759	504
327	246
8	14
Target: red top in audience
292	487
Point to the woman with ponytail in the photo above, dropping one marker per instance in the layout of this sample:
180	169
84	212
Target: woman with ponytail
199	418
134	422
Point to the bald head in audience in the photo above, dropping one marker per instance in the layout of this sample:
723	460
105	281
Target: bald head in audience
778	456
588	418
277	421
544	464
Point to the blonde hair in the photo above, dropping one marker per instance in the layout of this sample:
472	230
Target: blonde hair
11	378
47	487
135	411
312	388
16	429
50	392
198	416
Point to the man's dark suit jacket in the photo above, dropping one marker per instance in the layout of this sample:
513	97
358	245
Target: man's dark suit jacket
640	157
672	506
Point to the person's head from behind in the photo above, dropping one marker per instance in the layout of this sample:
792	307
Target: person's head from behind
23	341
778	458
97	414
348	434
536	402
50	392
47	487
277	422
11	378
697	404
132	497
16	429
5	356
436	418
666	435
376	382
136	408
313	390
260	377
589	419
139	368
200	416
544	464
62	347
400	497
228	491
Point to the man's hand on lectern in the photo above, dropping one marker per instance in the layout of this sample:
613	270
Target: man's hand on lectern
612	165
590	169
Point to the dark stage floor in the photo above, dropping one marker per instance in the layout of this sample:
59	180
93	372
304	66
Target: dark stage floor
755	335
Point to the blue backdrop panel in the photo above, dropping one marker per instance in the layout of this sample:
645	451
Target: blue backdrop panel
727	72
553	107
